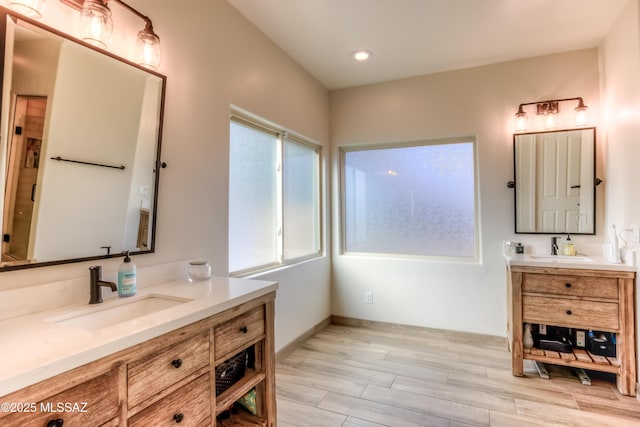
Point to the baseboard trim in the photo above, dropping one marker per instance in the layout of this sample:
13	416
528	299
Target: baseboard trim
296	343
470	337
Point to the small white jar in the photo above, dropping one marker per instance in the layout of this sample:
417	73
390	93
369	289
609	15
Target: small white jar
198	269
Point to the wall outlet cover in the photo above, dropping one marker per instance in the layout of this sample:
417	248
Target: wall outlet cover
368	297
542	329
580	339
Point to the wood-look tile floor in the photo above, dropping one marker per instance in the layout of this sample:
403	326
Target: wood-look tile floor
349	376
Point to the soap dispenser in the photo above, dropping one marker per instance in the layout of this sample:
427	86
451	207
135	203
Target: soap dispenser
127	277
568	248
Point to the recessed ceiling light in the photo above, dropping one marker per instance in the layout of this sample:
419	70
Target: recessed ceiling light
361	55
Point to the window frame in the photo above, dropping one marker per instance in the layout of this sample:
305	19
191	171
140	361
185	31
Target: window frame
343	150
282	136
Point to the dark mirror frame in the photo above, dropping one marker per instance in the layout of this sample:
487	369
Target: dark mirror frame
512	184
8	14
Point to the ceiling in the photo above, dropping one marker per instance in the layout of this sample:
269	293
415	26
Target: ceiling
417	37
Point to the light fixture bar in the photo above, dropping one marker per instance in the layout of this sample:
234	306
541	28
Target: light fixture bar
76	4
550	109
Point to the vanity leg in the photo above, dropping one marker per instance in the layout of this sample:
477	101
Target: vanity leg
517	368
625	344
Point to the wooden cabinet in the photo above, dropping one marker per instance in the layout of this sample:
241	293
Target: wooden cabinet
190	405
584	299
161	369
164	381
94	401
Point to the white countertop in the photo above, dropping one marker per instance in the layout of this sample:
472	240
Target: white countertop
541	260
34	348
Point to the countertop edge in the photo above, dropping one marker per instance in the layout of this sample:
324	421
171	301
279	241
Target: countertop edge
597	264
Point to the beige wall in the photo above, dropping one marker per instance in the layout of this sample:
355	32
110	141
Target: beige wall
478	102
213	58
620	60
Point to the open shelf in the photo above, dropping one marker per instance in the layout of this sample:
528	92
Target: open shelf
242	419
578	358
225	399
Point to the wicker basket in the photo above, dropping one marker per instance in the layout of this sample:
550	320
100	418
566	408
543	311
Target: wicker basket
230	371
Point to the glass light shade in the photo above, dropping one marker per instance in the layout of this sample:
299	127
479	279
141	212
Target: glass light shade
30	8
582	115
550	120
148	48
96	25
521	121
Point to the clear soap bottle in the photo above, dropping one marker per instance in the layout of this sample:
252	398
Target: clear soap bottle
127	278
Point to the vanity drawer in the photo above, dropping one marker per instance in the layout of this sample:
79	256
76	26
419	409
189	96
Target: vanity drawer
190	405
238	332
152	374
570	313
556	284
92	403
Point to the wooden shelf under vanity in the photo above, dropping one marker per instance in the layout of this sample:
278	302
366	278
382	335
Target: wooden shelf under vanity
578	358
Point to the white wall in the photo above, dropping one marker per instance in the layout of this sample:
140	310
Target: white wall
477	102
213	58
620	61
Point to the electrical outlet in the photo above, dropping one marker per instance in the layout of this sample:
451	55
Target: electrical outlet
580	338
636	233
542	329
368	297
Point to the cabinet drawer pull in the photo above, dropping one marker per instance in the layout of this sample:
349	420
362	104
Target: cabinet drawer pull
58	422
569	312
176	363
568	285
178	418
244	329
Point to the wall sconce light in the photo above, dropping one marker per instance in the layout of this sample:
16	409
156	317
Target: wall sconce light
96	28
96	25
521	120
30	8
549	109
148	46
582	114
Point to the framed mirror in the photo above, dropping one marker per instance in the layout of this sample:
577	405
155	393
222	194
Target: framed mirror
555	181
80	145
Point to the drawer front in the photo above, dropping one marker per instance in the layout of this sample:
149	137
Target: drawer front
579	286
237	332
190	405
570	313
91	403
152	374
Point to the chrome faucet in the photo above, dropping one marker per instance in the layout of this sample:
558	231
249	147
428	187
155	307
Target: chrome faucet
96	283
554	245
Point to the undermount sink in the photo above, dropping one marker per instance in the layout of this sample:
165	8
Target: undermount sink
93	318
560	258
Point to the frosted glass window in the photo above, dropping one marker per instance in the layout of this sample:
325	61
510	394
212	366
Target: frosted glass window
417	200
253	202
301	198
274	197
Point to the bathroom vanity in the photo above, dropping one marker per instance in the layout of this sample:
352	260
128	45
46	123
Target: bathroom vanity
584	294
161	368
